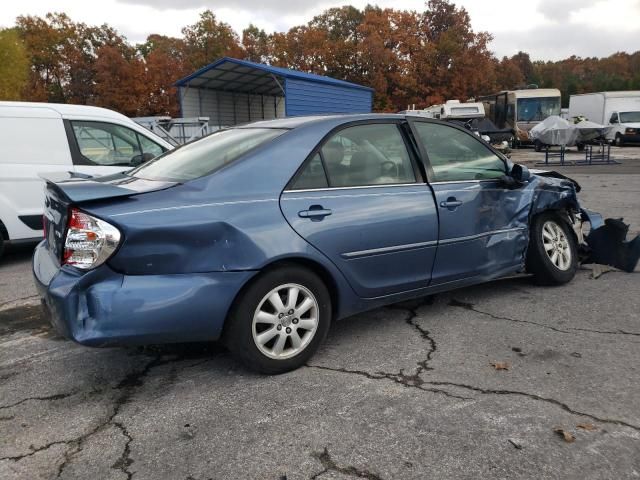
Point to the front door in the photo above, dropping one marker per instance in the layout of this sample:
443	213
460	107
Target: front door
103	148
361	201
482	232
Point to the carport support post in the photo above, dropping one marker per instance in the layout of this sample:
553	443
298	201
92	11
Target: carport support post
233	99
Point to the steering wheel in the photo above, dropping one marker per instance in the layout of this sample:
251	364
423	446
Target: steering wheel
389	169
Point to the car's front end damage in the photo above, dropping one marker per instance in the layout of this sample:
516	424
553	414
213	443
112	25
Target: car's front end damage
600	240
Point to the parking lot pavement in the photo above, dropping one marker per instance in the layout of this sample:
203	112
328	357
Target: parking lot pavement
408	391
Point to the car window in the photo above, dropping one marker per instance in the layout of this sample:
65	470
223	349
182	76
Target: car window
312	176
362	155
108	144
149	147
614	118
456	155
206	155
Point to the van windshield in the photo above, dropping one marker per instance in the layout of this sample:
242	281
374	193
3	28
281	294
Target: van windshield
537	109
205	156
629	117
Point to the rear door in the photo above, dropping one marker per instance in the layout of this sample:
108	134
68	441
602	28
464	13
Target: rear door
103	148
482	223
360	200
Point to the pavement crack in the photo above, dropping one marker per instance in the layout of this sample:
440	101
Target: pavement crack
413	380
570	330
607	332
409	381
331	466
33	451
471	307
126	387
125	460
57	396
533	396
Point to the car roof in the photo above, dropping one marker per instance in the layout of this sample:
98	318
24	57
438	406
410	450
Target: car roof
295	122
74	112
57	110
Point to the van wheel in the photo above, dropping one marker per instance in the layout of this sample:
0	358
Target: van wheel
279	321
1	245
552	256
619	141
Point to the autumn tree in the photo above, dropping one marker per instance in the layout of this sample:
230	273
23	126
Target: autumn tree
508	74
120	81
14	65
256	44
165	61
209	39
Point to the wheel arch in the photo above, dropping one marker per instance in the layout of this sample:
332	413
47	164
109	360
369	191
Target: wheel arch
4	232
304	262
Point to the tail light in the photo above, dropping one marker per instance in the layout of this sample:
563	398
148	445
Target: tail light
89	241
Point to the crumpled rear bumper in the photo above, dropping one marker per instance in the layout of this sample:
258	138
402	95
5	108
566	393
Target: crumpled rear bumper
103	307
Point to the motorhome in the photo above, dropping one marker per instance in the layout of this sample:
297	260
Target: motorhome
618	110
521	110
450	110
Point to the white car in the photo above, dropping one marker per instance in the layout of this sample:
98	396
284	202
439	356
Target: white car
45	137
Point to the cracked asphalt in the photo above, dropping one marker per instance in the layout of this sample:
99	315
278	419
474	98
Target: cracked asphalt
403	392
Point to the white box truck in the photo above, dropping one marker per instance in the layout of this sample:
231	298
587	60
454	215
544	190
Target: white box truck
619	110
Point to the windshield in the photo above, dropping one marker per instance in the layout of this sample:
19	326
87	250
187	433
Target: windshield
537	109
629	117
206	155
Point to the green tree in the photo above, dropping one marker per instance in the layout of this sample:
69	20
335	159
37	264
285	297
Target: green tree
14	65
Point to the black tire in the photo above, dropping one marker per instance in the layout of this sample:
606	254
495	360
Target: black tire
539	263
238	334
1	245
581	147
537	145
619	141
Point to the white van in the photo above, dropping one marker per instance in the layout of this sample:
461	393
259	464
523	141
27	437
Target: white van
46	137
618	110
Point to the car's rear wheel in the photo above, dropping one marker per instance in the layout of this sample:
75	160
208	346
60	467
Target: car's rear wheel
279	321
552	257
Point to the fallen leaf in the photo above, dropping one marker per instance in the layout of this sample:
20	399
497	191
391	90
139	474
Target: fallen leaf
567	436
589	427
500	365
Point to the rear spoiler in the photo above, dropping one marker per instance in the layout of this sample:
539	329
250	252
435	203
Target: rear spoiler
75	187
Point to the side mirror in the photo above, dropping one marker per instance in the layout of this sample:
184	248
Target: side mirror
520	173
140	159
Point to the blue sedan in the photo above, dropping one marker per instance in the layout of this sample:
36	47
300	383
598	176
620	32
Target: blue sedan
264	234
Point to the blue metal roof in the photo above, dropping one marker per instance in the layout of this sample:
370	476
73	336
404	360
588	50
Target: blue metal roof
286	73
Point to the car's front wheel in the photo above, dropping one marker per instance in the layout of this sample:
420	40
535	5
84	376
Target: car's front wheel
279	321
552	257
619	141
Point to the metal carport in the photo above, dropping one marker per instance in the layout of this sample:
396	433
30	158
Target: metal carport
231	91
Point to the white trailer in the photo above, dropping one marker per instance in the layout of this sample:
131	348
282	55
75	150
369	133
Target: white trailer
618	110
455	110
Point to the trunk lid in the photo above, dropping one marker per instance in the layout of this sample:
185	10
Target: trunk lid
64	190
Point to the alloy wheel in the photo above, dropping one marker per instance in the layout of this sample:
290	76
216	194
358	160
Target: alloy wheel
556	245
285	321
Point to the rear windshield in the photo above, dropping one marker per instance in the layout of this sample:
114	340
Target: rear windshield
206	155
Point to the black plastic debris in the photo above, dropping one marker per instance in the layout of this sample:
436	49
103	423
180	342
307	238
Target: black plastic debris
608	245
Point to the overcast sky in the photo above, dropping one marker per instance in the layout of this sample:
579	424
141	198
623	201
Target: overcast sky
547	29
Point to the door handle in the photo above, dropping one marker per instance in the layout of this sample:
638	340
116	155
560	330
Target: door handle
451	203
315	213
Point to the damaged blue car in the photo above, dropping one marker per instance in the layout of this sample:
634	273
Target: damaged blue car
263	234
